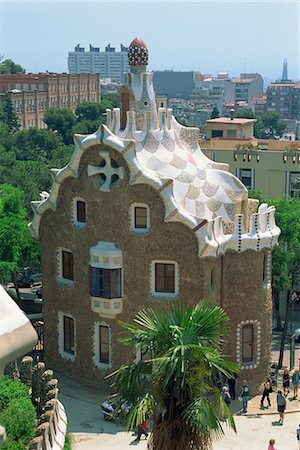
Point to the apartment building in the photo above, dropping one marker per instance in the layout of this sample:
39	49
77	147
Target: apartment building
109	64
33	94
269	166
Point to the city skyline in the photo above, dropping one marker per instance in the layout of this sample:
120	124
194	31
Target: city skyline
58	27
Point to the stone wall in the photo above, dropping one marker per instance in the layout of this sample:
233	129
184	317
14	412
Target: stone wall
233	281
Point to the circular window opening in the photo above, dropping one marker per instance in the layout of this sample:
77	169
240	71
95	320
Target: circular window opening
146	103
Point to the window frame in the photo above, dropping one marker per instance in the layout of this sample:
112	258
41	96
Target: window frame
101	279
97	346
81	219
67	265
62	348
164	293
245	359
252	174
70	335
132	218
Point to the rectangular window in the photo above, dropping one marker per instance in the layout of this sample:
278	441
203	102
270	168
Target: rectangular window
216	133
140	217
164	277
294	184
67	265
246	177
81	217
247	343
231	133
104	344
106	283
69	335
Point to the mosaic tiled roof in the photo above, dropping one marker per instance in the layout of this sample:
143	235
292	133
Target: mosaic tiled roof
160	152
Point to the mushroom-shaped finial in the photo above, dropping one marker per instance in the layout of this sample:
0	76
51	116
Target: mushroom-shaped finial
138	53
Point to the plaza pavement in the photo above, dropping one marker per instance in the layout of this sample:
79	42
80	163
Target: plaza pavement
91	432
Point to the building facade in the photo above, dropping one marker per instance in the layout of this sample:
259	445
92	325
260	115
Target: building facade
33	94
269	166
109	64
139	218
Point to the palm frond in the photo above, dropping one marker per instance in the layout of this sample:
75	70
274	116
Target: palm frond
142	409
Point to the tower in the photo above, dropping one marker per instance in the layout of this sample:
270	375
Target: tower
284	71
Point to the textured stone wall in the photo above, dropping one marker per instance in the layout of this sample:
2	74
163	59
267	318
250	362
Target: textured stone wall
237	286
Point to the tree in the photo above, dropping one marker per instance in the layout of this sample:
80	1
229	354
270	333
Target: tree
215	113
34	144
13	232
245	113
8	114
269	126
8	66
62	121
177	381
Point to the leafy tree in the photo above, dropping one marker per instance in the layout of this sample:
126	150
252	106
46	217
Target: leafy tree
8	66
34	144
61	156
87	110
112	99
177	383
245	113
8	114
11	390
269	126
32	177
13	231
62	121
215	113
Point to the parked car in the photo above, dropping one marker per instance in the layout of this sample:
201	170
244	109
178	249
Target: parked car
113	409
26	278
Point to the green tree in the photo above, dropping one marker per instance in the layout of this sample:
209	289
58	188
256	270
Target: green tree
8	66
245	113
177	383
34	144
8	114
13	232
269	126
62	121
215	113
112	99
87	110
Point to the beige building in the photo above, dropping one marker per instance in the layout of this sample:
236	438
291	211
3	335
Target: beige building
269	166
33	94
140	218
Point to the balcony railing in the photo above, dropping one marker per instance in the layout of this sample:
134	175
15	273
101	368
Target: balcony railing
107	307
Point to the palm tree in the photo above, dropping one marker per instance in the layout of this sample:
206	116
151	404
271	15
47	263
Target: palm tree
175	379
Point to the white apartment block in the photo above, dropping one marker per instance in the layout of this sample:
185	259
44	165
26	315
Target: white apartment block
109	64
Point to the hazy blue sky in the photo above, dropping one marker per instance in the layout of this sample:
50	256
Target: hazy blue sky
206	36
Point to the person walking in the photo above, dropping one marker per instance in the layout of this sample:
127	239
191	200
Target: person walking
286	382
225	395
142	429
271	445
298	435
267	389
244	395
295	381
281	405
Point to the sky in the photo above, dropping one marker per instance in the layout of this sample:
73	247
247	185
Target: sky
206	36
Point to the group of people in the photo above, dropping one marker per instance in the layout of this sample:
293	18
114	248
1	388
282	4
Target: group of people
229	392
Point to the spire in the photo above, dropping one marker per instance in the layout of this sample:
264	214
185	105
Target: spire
138	55
284	71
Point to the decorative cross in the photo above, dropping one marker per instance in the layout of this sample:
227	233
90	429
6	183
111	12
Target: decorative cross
107	170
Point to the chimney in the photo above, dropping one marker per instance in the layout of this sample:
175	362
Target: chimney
231	112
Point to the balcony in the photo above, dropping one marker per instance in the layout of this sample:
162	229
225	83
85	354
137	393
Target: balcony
106	307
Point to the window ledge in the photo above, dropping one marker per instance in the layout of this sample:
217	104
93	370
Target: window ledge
164	295
65	282
107	307
67	356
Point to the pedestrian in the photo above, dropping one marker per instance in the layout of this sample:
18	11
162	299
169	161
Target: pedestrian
267	389
244	395
281	405
225	395
298	435
272	444
232	385
295	381
286	382
142	429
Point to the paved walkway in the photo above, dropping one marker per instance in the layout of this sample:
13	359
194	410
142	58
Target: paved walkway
91	432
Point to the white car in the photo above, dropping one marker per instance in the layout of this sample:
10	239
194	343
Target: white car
297	335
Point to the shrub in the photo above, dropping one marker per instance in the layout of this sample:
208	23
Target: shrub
11	390
19	421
